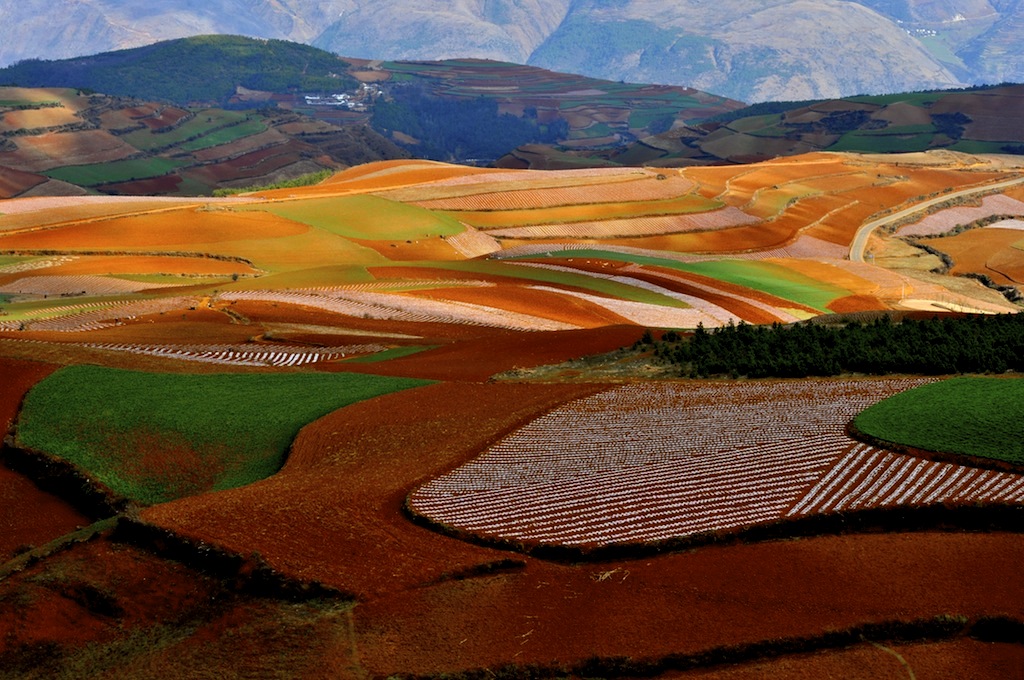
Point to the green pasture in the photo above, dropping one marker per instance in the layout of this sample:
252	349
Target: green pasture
972	416
157	437
246	128
974	146
115	171
203	123
367	217
593	284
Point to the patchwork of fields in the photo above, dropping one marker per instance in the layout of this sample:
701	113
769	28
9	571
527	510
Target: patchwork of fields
323	413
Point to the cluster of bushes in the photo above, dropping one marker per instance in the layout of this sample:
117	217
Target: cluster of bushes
306	180
975	344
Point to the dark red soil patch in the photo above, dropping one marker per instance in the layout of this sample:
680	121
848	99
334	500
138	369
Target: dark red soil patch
93	592
334	513
683	604
14	182
482	358
963	658
28	516
154	186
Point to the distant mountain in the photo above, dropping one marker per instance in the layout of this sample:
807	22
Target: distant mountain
980	120
751	50
455	110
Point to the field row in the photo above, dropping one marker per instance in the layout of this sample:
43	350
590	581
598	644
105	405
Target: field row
403	308
96	316
245	355
643	189
652	462
945	220
83	284
634	226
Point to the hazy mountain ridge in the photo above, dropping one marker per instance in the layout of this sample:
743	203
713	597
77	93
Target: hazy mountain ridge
742	49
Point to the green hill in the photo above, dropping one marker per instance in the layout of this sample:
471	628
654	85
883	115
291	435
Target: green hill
200	69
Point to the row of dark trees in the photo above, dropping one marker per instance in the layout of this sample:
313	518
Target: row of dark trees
973	344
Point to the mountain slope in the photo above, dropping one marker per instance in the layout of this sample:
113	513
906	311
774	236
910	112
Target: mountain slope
747	50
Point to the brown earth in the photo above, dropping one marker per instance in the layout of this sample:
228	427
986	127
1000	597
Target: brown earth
28	516
997	253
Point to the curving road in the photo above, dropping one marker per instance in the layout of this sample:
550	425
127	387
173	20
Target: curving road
860	239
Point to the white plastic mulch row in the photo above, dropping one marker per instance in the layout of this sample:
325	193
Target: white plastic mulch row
650	462
245	355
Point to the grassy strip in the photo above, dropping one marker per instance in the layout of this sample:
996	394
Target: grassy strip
203	123
393	353
156	437
115	171
981	417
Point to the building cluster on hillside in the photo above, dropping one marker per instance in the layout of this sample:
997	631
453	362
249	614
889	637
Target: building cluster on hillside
357	101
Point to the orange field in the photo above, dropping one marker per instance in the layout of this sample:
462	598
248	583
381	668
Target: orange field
997	253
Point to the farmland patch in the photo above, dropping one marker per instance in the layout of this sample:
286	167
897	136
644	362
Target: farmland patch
971	416
156	437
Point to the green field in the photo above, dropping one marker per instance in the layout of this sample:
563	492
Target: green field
367	217
156	437
115	171
205	122
246	128
981	417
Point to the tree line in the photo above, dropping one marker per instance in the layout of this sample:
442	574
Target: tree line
935	346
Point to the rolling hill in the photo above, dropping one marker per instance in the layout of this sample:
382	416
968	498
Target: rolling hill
978	120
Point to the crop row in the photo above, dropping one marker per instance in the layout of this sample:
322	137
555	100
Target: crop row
651	462
945	220
634	226
644	189
867	477
244	355
32	265
83	284
66	319
403	308
473	243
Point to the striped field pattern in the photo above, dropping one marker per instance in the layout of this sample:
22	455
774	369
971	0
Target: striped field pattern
281	356
650	462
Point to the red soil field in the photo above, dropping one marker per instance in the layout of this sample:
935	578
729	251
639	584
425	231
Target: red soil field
856	303
686	603
501	351
96	592
28	516
928	660
342	489
50	150
14	182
